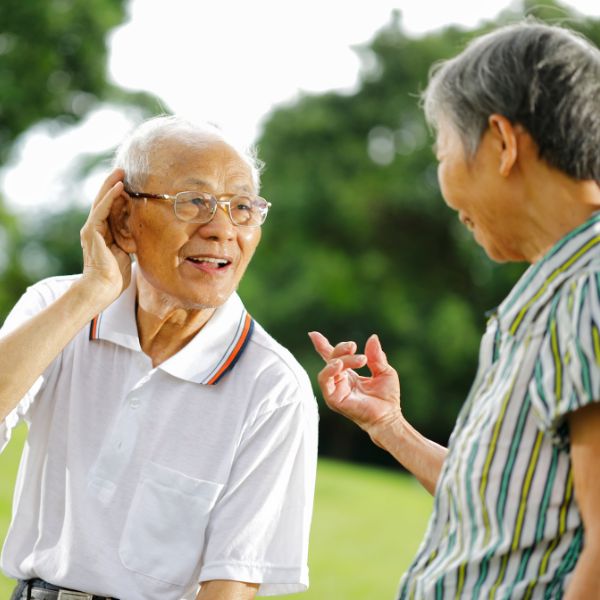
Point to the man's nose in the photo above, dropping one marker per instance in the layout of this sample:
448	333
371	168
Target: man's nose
220	226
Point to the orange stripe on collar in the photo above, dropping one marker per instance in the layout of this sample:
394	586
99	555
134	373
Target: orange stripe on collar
94	327
236	352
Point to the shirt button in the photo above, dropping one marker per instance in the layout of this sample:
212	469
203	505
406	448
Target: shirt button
134	402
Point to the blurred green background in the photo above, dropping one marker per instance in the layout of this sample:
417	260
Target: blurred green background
359	241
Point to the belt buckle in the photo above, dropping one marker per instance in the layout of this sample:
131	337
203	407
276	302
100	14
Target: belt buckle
69	595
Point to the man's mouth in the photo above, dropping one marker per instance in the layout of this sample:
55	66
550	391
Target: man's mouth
208	263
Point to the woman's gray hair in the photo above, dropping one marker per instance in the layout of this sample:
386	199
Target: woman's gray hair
544	77
135	152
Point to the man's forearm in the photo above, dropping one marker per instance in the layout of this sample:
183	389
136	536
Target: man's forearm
422	457
27	351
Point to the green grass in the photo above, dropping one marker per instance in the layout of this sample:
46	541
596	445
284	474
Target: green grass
367	526
9	462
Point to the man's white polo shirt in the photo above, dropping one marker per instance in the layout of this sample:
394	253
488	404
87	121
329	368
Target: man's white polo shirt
138	482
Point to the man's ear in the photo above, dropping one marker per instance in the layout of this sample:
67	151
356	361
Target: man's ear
119	223
505	134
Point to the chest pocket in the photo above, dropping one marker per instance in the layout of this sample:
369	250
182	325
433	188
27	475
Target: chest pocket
164	530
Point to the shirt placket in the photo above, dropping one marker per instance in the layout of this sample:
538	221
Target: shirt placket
120	443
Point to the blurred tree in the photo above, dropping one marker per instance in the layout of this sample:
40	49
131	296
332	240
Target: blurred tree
53	62
52	67
360	241
12	276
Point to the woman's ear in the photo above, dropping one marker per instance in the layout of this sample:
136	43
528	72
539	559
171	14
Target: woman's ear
119	223
506	135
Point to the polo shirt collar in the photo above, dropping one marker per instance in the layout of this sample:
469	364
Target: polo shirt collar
205	359
117	322
215	349
541	280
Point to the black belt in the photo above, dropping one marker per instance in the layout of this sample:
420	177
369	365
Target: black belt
38	589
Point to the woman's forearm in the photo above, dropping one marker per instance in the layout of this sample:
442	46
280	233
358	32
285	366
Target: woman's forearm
419	455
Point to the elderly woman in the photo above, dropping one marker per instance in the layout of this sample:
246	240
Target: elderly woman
516	511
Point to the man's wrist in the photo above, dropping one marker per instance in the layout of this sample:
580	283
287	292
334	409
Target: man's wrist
90	297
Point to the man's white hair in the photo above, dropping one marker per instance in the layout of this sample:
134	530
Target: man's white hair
134	153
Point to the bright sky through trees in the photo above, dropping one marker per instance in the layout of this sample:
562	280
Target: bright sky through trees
230	62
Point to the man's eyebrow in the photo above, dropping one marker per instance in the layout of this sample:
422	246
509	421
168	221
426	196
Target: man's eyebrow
194	181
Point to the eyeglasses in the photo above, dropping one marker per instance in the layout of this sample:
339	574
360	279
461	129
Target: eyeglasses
200	207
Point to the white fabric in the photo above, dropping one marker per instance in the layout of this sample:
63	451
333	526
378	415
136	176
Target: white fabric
138	482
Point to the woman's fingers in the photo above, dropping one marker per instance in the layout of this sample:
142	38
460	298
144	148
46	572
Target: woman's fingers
344	348
329	378
326	350
353	361
333	379
321	344
376	358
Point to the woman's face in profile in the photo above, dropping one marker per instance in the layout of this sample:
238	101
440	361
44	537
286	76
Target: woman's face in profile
474	188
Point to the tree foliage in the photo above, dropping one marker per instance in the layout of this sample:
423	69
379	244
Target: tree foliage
52	60
359	239
52	68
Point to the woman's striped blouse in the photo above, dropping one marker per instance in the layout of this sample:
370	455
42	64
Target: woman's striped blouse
505	522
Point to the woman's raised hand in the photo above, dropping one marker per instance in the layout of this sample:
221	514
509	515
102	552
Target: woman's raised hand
371	402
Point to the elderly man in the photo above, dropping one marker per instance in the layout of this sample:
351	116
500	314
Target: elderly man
516	511
171	441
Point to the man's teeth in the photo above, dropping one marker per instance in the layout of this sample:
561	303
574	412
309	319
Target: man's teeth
219	261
